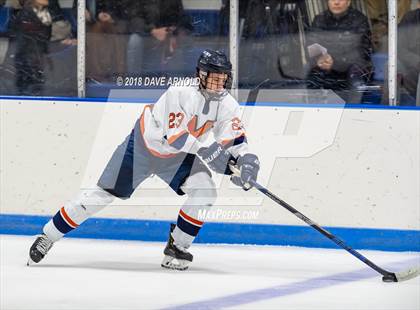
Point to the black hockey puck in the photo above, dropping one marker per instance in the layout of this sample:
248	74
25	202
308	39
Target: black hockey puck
390	277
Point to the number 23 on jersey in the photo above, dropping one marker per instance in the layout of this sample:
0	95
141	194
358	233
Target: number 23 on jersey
175	119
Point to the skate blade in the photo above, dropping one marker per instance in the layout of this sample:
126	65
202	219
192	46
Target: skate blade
170	262
30	262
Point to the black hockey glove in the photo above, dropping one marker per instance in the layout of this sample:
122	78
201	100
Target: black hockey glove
216	157
249	165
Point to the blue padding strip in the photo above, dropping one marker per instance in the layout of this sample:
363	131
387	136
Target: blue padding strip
153	230
258	104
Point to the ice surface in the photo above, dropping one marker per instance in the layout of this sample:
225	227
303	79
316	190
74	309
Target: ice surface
104	274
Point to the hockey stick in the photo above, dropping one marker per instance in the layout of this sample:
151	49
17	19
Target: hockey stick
387	275
253	93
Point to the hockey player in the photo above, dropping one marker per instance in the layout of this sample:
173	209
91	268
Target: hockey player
167	141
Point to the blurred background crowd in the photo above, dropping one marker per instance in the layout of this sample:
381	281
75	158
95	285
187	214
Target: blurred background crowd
295	44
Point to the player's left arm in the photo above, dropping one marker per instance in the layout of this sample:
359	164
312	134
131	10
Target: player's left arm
232	136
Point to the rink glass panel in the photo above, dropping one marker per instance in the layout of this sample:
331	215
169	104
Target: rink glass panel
121	50
150	43
408	66
38	59
273	47
276	37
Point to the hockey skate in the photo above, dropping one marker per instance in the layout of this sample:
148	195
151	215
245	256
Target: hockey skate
39	249
175	258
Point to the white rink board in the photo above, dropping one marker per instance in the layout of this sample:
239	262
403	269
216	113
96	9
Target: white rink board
351	168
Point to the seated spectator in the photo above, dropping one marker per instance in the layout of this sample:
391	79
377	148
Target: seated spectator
272	45
409	50
90	12
261	18
15	4
106	41
377	11
164	25
61	28
224	16
342	59
32	27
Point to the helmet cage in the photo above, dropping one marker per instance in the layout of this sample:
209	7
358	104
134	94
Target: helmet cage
211	94
213	62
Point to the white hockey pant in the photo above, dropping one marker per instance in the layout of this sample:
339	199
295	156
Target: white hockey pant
201	192
76	211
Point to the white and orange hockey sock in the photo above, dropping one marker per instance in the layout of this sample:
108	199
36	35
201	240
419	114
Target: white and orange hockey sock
76	211
201	192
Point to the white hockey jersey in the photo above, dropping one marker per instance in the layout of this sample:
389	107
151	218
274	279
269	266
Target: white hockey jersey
176	123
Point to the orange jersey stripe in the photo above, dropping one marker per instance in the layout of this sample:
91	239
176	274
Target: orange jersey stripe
192	127
174	137
224	142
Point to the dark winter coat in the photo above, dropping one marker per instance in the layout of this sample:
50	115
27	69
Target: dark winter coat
270	17
55	10
347	39
118	9
31	34
145	15
106	44
32	40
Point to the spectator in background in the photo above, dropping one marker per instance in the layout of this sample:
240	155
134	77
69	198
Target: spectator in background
106	41
377	11
343	61
90	12
273	46
409	50
154	26
137	32
61	27
224	15
261	18
32	27
15	4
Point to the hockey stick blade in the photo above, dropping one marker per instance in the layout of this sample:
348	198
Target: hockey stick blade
402	275
407	274
387	276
